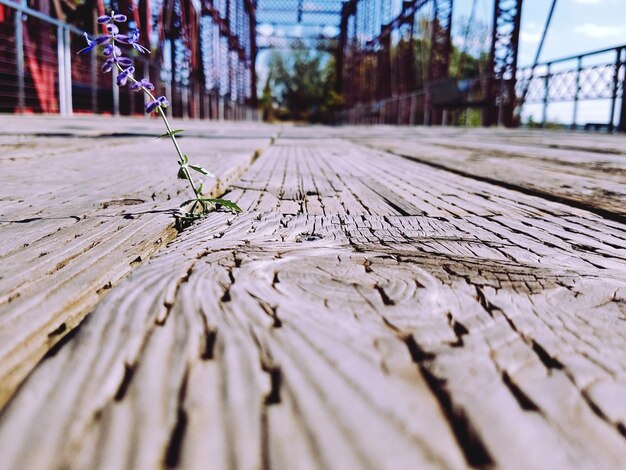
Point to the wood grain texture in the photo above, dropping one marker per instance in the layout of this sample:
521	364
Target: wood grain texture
78	214
589	171
366	311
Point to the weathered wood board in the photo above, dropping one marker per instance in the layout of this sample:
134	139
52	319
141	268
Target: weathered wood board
366	311
78	210
592	176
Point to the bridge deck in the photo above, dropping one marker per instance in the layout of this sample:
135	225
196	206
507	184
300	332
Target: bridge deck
390	298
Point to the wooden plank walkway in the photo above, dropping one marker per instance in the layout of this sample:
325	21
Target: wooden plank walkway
586	171
366	310
69	232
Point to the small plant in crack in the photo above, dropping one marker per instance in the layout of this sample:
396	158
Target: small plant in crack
198	205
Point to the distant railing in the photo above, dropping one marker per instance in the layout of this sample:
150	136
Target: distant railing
594	76
414	108
41	73
406	109
597	75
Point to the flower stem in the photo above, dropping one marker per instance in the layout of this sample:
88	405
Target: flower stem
161	112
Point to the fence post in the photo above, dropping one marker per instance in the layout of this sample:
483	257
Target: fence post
185	101
577	95
19	53
61	71
93	70
546	96
69	105
622	120
116	92
618	66
207	104
169	92
501	102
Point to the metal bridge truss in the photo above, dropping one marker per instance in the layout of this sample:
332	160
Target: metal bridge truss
203	55
294	24
380	51
390	56
376	54
385	52
440	52
500	93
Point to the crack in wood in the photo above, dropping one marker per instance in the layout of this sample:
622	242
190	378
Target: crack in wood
470	442
129	371
174	446
524	401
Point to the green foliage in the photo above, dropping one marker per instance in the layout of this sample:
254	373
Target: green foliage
200	207
199	169
464	66
553	125
300	86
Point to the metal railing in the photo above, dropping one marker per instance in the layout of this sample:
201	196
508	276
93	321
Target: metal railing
594	76
406	109
598	75
42	73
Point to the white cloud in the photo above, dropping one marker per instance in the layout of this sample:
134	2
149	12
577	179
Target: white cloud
530	37
600	32
588	2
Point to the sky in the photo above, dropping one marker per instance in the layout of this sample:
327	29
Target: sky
578	26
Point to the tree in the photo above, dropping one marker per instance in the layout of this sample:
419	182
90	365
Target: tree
301	84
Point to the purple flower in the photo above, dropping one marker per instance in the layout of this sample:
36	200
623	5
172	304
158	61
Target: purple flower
105	19
123	76
124	61
132	40
143	83
113	30
111	61
111	49
108	65
160	102
91	45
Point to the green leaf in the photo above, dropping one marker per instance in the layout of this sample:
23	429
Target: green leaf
181	173
199	169
185	159
230	205
169	134
225	203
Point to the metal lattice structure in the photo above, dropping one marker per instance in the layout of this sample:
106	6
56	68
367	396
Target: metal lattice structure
440	50
388	50
377	48
409	49
500	92
599	75
203	57
289	24
393	59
